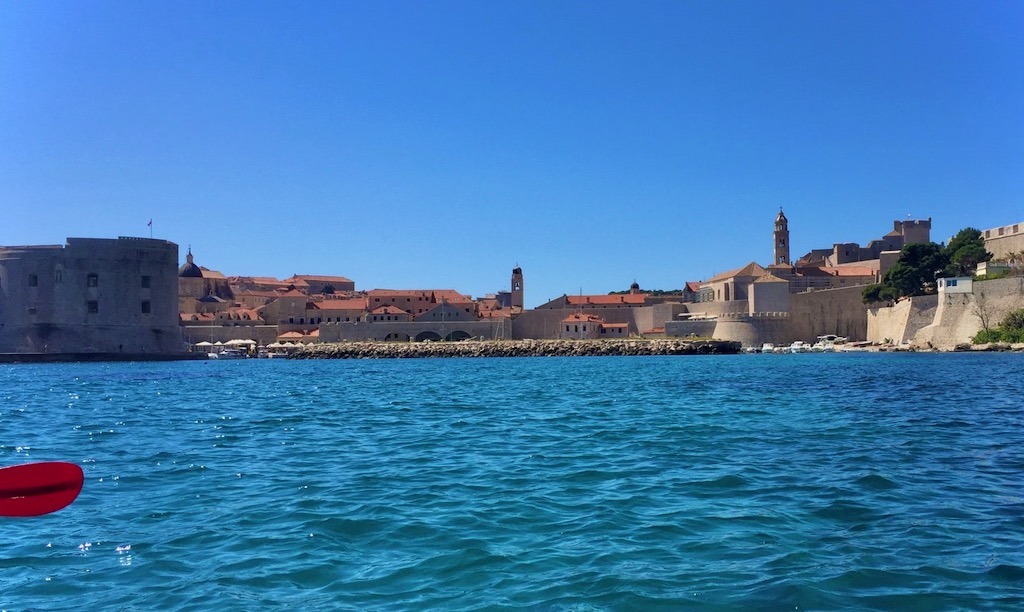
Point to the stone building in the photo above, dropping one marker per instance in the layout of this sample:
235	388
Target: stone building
91	298
1006	242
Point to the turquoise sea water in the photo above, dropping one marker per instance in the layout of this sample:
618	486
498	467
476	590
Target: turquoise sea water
751	481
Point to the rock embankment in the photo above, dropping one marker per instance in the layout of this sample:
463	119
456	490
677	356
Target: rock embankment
515	348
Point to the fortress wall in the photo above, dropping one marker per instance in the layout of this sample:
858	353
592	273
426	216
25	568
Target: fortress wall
714	309
829	311
658	315
683	329
900	323
958	317
754	332
1002	240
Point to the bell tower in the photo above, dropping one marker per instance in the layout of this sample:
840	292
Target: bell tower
517	287
781	239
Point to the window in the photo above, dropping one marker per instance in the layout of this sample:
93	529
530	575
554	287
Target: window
566	328
93	280
33	280
58	276
145	307
145	282
92	306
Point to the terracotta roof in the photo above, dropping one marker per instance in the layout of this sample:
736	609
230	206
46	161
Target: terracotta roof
577	317
607	300
768	277
751	269
291	293
257	293
850	270
347	304
389	310
448	295
626	325
208	273
693	286
320	279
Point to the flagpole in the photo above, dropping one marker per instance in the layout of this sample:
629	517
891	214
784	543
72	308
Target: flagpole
150	224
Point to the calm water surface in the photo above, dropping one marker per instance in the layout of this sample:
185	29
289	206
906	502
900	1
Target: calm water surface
752	481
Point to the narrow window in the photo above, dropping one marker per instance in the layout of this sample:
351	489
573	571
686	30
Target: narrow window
33	280
92	306
145	307
58	276
145	282
93	280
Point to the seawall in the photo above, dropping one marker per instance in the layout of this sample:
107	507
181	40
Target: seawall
516	348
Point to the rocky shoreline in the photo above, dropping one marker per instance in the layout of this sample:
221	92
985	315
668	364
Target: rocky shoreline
515	348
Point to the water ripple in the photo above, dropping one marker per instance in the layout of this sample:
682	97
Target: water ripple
807	481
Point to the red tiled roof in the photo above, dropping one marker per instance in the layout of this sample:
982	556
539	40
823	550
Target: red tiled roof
208	273
577	317
693	286
850	271
448	295
751	269
258	293
320	278
495	314
389	310
768	277
291	293
607	300
347	304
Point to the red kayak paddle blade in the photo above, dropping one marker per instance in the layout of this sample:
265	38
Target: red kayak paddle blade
38	488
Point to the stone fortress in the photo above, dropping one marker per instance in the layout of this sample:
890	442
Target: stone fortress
91	297
125	298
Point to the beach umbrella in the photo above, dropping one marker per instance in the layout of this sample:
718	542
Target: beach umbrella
204	343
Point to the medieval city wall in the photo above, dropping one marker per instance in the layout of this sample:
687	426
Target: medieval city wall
1003	240
958	317
829	311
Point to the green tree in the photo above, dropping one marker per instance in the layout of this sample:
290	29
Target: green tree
914	272
965	251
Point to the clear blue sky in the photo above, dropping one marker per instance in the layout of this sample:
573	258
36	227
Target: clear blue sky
438	144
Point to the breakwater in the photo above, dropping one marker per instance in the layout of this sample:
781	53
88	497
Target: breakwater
515	348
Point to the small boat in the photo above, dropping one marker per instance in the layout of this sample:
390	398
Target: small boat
228	353
799	346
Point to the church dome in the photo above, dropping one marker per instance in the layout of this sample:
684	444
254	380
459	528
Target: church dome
189	269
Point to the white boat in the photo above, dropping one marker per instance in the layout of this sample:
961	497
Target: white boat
767	347
799	347
228	353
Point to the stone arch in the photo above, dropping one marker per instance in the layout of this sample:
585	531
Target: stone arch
428	336
457	336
